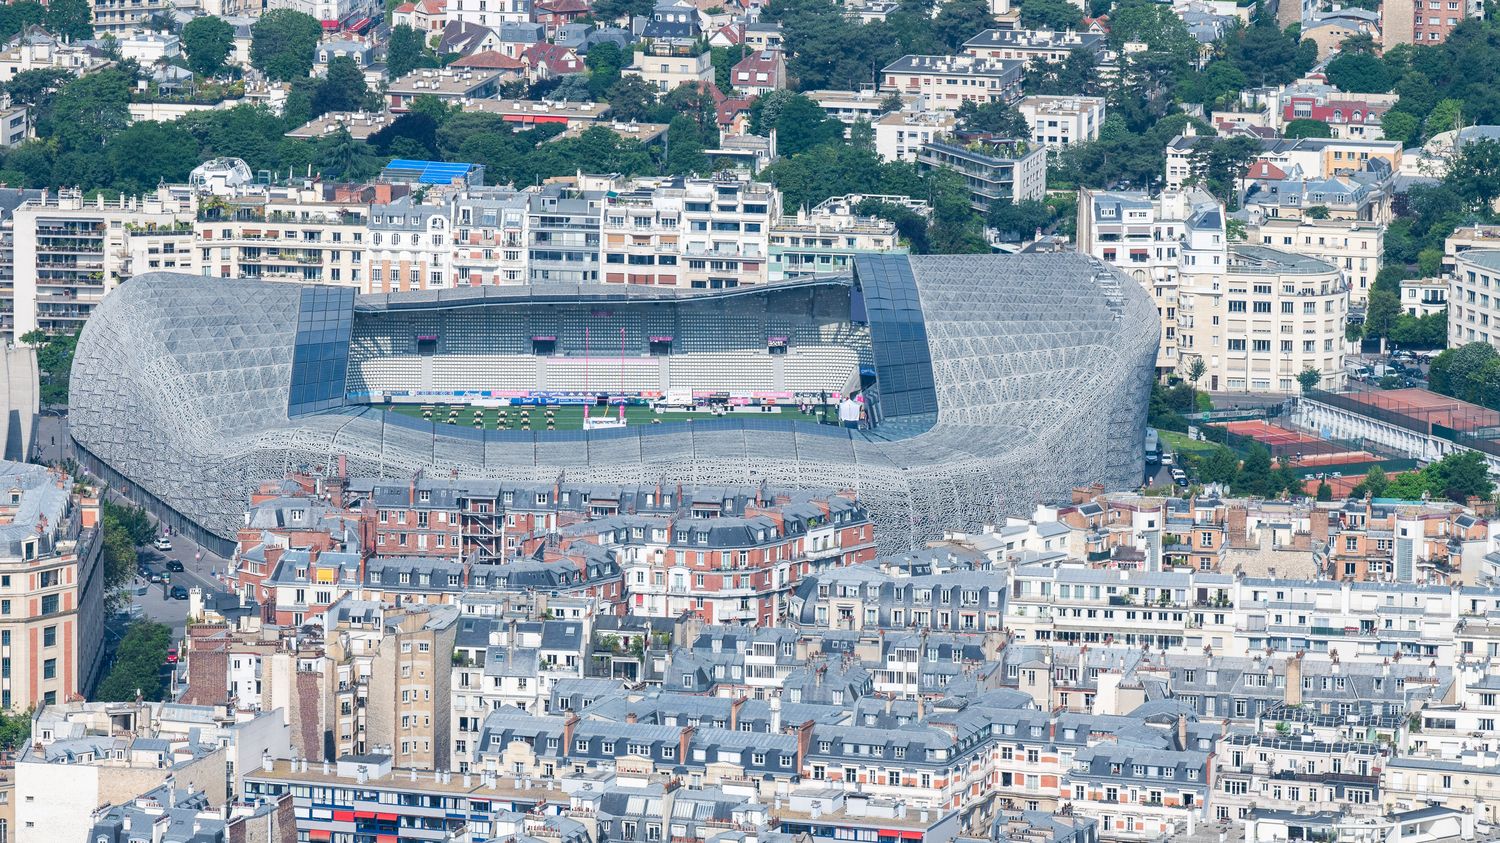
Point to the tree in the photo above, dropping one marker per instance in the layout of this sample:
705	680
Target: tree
1054	15
1308	379
684	147
1286	479
1475	174
16	16
207	40
283	42
69	19
1381	312
1304	127
1398	126
1266	55
604	60
1254	477
1375	484
1325	492
1015	221
148	152
1457	371
404	52
1219	162
632	98
342	89
997	118
1461	475
36	87
1444	117
959	20
1361	73
90	110
341	154
54	362
137	665
802	124
1195	372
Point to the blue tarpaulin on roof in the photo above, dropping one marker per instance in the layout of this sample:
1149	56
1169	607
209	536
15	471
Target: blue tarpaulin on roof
428	172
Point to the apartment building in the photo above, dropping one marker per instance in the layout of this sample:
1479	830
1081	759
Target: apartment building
1314	158
1144	236
1474	298
866	104
489	237
732	560
410	247
84	755
1057	122
563	235
1473	236
1423	21
947	82
34	48
410	685
665	65
452	86
10	199
1035	45
995	169
1349	116
303	234
695	233
1262	317
900	135
827	238
1424	296
69	253
51	587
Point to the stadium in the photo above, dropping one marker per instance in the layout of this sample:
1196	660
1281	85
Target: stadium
983	384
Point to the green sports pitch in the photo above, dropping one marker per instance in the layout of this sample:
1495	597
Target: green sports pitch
566	417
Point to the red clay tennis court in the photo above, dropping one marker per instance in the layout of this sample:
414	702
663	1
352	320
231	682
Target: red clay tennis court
1300	448
1270	434
1426	407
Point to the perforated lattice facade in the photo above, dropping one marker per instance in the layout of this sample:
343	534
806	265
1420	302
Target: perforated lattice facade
1041	367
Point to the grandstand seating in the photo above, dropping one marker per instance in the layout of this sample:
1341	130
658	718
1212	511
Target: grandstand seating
718	345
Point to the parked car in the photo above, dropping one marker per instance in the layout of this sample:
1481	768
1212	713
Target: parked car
162	543
154	576
179	593
171	655
174	566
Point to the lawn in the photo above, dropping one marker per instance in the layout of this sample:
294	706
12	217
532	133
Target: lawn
563	418
1179	443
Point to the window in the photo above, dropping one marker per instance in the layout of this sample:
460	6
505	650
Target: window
49	636
49	669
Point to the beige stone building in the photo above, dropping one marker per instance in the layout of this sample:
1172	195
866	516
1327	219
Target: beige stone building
411	684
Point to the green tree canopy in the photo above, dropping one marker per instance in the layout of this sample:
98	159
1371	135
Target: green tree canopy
1360	73
137	664
1303	127
283	43
1056	15
69	18
207	40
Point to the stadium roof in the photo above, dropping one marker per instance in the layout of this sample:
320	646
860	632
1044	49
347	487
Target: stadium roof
1027	375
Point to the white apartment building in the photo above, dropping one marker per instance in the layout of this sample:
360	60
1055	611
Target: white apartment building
1258	317
489	237
669	70
308	235
409	247
489	13
1058	122
70	253
1424	296
1474	298
1144	237
1355	248
947	82
826	239
900	135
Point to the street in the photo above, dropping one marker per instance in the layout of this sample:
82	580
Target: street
199	566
